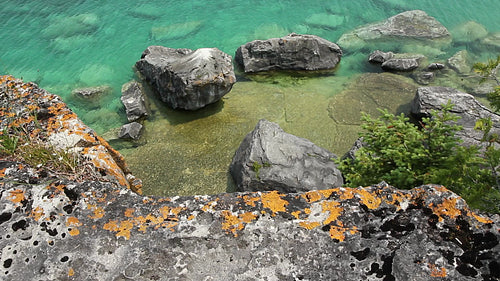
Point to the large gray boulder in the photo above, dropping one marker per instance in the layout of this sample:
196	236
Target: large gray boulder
414	24
133	100
292	52
465	106
407	64
271	159
187	79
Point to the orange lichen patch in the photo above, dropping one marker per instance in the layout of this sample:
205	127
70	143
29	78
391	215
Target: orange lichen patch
37	213
272	200
315	195
312	196
71	272
16	196
309	225
98	211
397	198
480	218
337	232
369	200
250	201
447	208
332	207
73	221
307	211
209	206
345	193
122	229
191	217
437	272
129	212
441	188
233	223
296	214
2	172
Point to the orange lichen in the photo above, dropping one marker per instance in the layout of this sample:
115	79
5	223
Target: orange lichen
191	217
16	196
337	232
71	272
447	208
129	212
369	200
37	213
332	207
345	193
437	272
98	211
233	223
296	214
309	225
73	222
480	218
74	231
312	196
209	206
272	200
250	201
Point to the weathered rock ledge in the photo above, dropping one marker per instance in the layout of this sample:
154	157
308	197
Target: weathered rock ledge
56	228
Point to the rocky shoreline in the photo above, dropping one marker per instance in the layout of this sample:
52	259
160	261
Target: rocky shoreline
293	221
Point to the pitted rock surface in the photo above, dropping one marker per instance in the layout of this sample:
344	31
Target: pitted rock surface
53	229
133	98
187	79
271	159
292	52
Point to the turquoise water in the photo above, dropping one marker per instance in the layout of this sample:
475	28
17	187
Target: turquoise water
64	45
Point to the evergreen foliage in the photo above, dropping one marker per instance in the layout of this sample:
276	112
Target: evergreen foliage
406	155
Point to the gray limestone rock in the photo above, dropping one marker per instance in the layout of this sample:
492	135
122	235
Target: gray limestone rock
271	159
292	52
130	131
414	24
404	64
57	229
187	79
133	100
465	106
380	57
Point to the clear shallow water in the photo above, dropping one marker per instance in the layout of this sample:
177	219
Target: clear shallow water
63	45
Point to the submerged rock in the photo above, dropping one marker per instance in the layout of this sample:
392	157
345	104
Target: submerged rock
468	32
460	62
270	159
82	24
92	92
131	131
414	24
465	106
175	31
133	100
292	52
187	79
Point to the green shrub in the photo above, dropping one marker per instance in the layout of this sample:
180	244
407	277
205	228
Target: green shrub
406	155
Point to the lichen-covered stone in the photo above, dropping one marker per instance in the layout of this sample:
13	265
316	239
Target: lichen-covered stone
54	229
44	117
